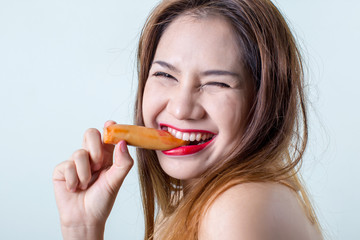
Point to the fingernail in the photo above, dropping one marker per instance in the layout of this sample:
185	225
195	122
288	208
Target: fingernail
123	147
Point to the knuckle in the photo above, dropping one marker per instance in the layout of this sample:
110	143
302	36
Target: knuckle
58	173
69	165
127	165
58	168
84	178
97	156
130	164
80	154
72	181
84	174
91	132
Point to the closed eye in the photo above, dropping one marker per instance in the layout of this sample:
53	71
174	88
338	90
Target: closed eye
163	74
218	84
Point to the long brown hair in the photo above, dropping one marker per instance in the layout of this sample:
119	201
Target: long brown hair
275	138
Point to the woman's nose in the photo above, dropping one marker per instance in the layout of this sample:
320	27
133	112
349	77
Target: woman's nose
184	105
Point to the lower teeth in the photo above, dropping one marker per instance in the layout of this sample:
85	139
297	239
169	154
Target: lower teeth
196	143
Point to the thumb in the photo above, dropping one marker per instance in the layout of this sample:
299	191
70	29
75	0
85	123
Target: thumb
121	166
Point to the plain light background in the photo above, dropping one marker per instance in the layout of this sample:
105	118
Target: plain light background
66	66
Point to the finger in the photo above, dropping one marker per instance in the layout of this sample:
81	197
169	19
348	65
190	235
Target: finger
81	161
122	165
93	144
70	176
58	174
109	123
66	172
108	148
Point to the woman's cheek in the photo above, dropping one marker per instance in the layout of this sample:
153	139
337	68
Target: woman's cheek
153	101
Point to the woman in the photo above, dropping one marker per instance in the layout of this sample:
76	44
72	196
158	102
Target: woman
226	75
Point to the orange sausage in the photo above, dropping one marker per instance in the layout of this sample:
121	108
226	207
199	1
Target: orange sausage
142	137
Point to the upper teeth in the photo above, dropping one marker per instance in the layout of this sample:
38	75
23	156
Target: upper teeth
186	136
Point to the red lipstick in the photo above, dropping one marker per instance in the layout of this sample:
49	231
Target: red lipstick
186	150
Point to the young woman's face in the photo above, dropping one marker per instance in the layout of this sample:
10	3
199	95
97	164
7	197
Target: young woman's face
198	90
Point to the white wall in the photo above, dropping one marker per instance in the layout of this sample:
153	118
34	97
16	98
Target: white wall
66	66
329	32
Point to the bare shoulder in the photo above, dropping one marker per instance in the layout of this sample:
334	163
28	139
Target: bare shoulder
255	211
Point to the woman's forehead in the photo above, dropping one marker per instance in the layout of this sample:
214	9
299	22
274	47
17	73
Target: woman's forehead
206	41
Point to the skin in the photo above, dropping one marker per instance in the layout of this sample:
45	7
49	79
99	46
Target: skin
197	81
87	184
257	211
193	97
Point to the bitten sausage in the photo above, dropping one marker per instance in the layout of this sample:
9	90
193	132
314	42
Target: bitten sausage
142	137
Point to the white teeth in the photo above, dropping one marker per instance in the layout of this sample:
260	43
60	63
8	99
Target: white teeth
192	137
186	137
189	136
178	135
198	136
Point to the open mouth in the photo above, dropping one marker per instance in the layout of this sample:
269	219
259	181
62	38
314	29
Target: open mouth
198	140
194	137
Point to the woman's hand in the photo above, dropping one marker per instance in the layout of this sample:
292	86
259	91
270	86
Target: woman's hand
87	184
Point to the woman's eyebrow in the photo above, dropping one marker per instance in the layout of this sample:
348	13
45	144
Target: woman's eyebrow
205	73
220	73
167	65
238	81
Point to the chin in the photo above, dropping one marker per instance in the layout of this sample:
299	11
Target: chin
181	169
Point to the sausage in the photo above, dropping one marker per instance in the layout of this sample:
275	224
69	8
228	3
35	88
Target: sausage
148	138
